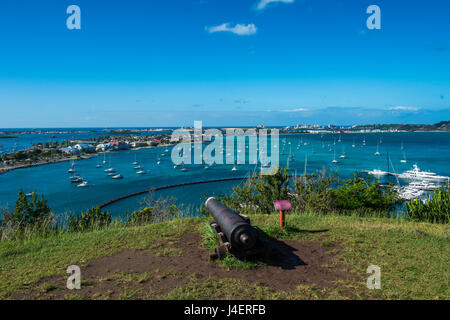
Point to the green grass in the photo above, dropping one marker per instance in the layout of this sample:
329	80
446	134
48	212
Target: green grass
414	265
24	263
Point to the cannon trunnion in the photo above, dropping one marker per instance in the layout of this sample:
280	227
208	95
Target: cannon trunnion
234	232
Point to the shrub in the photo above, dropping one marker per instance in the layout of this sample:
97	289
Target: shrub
313	193
28	218
162	209
358	193
93	219
435	209
260	192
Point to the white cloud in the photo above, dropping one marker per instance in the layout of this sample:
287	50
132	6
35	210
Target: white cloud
239	29
404	108
263	3
295	110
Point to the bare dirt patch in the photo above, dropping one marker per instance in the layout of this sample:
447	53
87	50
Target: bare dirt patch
134	274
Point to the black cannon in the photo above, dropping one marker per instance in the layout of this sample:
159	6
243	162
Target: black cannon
234	232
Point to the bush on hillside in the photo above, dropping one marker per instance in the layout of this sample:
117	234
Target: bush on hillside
93	219
435	209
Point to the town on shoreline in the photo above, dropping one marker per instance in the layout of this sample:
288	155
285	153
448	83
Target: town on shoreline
137	138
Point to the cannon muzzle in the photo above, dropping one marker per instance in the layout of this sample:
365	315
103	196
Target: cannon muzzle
239	233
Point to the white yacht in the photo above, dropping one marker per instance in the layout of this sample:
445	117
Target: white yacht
416	174
117	176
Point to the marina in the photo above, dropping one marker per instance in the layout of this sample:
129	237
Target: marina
113	174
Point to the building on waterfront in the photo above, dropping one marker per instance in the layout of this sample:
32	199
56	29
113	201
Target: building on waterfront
104	147
84	147
70	150
120	145
138	144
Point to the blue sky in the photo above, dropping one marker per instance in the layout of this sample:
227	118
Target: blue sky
225	62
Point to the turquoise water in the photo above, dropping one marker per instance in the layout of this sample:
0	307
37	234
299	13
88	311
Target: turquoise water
430	151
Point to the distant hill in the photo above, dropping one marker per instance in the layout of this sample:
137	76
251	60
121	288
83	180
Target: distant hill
440	126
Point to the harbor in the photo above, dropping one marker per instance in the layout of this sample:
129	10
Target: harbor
99	178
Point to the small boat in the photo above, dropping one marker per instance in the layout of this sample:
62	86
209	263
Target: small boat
334	159
378	152
76	179
117	176
138	167
159	162
167	150
111	174
110	170
404	158
184	169
377	172
234	168
83	184
98	166
140	172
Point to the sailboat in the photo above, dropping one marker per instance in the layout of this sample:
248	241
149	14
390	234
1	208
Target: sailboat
401	146
353	145
378	152
334	159
104	158
72	168
234	168
110	169
404	158
135	161
117	176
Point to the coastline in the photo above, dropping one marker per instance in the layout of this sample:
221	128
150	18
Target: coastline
73	158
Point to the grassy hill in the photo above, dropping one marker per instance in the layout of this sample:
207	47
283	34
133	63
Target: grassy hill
316	257
440	126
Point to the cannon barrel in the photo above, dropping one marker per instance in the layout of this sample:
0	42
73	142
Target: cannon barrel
241	235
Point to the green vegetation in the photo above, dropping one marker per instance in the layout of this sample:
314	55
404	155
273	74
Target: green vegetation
347	219
413	264
29	218
93	219
319	193
436	208
440	126
162	209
